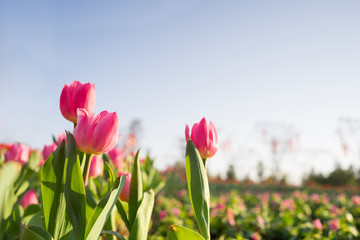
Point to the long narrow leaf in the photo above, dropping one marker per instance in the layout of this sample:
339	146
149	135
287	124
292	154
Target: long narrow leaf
103	210
140	228
123	214
182	233
74	189
116	234
57	222
136	189
198	188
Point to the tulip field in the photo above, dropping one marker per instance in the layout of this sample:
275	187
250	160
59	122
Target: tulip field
83	185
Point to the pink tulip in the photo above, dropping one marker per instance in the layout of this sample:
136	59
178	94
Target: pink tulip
29	198
18	153
205	138
230	217
260	221
162	215
334	224
124	195
175	211
96	166
356	200
117	157
48	150
317	224
74	96
96	134
255	236
61	137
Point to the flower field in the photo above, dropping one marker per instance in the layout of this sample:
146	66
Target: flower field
85	186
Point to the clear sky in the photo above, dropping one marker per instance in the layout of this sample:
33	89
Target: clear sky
168	63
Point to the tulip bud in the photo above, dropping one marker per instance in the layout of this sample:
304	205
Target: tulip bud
96	134
29	198
18	153
61	137
48	150
334	224
74	96
317	224
205	138
117	157
96	166
124	195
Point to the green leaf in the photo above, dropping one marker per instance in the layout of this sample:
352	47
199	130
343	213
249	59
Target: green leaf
56	220
116	234
123	214
182	233
111	172
198	188
35	233
103	210
29	213
74	189
136	189
140	228
8	173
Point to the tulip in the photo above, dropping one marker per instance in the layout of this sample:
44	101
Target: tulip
29	198
96	134
204	136
230	217
96	166
18	153
124	195
317	224
334	224
162	215
117	157
255	236
48	150
356	200
74	96
175	211
61	137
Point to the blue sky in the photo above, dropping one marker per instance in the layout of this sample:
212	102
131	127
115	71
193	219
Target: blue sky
172	62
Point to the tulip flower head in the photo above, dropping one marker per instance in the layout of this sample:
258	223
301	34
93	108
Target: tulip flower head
61	137
117	157
18	153
124	195
96	134
334	224
162	215
74	96
29	198
317	224
205	138
48	150
96	166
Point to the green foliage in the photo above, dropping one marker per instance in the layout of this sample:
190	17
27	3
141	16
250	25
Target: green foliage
198	187
136	190
103	210
181	233
338	177
57	221
74	189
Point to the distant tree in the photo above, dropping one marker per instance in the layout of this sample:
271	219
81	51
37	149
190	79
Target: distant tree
230	174
260	170
338	177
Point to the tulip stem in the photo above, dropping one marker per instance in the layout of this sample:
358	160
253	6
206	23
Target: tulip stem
204	161
87	167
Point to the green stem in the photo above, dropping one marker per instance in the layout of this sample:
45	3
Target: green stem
204	161
87	167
